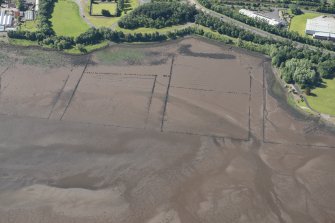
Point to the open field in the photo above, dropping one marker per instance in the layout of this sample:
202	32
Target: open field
97	7
298	23
322	99
66	20
186	131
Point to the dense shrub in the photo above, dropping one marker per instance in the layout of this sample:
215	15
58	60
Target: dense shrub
106	13
327	69
158	15
296	10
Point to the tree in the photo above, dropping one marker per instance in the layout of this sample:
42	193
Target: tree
299	71
106	13
120	5
157	15
296	10
327	68
81	48
19	4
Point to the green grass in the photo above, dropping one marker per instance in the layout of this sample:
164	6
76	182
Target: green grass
66	20
298	23
324	99
22	42
101	21
88	48
111	7
29	26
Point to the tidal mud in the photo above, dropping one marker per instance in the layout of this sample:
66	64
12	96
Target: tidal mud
181	132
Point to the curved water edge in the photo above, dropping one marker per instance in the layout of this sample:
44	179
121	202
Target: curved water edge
275	87
277	90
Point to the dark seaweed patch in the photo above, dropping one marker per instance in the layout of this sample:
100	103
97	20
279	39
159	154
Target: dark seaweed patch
185	50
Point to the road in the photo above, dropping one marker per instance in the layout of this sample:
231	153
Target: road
251	28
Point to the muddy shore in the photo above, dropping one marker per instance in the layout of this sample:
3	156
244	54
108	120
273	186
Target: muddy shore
186	131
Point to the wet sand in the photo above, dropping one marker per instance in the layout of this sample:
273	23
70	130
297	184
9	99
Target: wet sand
185	131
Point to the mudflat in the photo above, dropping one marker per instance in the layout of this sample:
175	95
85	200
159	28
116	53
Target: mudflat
184	131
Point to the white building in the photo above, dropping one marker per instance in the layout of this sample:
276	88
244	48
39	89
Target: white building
322	27
263	18
6	20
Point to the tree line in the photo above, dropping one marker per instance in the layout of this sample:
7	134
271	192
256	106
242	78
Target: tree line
158	15
265	26
301	66
95	36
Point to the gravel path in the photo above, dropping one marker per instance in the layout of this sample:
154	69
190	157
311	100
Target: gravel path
82	13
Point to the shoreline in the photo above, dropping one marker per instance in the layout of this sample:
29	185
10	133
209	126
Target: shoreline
326	119
294	108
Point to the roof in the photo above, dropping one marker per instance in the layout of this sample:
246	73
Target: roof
29	15
324	24
327	35
5	20
254	15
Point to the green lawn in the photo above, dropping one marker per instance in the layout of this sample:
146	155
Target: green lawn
66	20
324	99
111	7
22	42
29	26
298	22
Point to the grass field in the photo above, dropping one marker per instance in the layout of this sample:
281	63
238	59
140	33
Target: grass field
66	20
22	42
298	22
29	26
96	9
324	99
100	21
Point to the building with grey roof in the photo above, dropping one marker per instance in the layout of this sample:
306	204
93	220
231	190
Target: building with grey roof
259	17
322	27
29	15
5	19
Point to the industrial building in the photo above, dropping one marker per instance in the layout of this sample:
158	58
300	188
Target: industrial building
322	27
6	20
263	18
